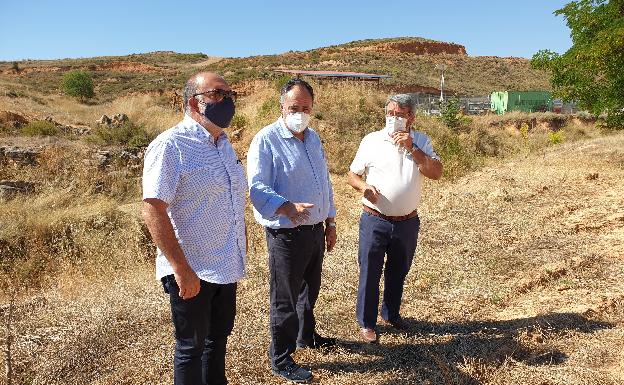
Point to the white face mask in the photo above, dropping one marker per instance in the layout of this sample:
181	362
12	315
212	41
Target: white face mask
297	121
395	124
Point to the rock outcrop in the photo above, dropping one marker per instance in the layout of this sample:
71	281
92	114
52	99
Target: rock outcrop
19	156
116	121
10	188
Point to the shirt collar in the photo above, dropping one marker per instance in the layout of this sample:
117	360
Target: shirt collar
286	133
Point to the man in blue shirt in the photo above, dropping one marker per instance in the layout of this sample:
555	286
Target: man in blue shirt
292	196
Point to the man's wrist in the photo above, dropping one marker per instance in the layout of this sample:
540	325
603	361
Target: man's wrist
414	151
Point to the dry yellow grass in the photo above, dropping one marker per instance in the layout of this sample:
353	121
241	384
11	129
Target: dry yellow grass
144	110
517	280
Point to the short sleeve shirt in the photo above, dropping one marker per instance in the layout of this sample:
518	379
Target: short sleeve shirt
205	187
392	171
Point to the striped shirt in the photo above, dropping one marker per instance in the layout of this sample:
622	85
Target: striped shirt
281	168
204	185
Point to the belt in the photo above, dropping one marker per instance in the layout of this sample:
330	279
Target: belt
291	230
397	218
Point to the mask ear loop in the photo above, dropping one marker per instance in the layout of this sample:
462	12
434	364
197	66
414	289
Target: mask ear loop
200	104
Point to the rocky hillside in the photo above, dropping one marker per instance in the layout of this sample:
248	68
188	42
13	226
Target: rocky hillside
410	61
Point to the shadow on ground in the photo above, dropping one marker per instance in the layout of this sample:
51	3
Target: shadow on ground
439	349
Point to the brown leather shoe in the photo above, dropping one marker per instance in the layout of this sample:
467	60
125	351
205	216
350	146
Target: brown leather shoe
397	323
368	335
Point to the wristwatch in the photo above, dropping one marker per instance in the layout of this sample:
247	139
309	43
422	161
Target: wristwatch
331	224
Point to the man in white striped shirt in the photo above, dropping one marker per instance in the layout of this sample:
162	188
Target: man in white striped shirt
194	192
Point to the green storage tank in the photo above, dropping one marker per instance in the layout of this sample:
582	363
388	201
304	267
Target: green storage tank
526	101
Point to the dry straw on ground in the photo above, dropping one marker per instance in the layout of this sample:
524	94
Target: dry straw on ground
517	277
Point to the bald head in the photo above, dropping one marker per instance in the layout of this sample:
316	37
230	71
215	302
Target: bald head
201	82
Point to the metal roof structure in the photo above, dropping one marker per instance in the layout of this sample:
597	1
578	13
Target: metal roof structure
336	74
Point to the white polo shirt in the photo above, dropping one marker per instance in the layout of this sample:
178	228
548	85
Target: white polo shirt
392	171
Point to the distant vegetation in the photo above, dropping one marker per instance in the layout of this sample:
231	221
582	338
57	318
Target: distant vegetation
590	72
78	84
41	128
127	134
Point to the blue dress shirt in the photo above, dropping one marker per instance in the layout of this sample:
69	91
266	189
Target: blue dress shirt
281	168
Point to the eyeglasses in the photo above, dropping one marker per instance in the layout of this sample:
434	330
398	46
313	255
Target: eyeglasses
398	114
217	94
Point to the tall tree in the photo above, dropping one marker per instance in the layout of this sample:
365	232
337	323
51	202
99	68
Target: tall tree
591	72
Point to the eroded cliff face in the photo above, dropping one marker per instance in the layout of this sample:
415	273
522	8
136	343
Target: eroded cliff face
423	48
414	47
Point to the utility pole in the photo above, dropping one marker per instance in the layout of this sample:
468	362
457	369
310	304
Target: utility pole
441	67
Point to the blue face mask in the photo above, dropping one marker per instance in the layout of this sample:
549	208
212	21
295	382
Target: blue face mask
220	113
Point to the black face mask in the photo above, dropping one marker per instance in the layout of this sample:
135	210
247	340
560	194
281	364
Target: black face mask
220	113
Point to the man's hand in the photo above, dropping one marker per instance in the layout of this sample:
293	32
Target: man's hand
297	212
330	237
188	282
371	193
402	139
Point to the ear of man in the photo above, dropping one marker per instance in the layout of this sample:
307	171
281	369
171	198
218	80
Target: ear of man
193	103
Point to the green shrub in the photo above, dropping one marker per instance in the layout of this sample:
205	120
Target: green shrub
127	134
270	108
281	81
555	137
450	113
239	121
41	128
78	84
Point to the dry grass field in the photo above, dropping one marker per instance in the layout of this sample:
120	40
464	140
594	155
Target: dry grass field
517	280
518	277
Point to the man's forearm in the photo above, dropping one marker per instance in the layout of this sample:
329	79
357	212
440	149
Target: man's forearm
265	200
356	181
429	167
163	235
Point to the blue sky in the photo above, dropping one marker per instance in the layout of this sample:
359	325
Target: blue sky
36	29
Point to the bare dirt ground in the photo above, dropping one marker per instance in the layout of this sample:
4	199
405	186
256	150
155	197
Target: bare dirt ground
518	279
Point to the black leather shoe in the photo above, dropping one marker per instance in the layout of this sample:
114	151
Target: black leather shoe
318	342
294	373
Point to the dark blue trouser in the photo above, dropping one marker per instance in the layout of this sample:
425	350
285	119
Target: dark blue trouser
295	263
202	325
378	238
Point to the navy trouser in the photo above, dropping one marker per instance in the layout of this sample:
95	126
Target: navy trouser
295	263
378	238
202	325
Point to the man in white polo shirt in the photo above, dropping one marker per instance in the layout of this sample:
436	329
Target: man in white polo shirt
388	170
194	190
